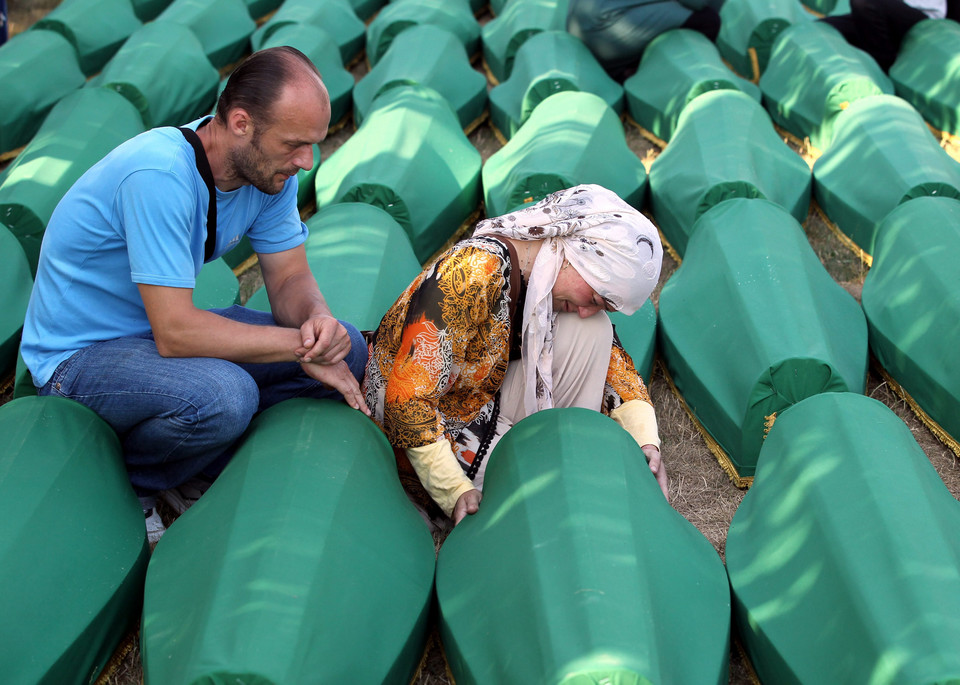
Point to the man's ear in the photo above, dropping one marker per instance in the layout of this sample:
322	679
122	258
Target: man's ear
239	122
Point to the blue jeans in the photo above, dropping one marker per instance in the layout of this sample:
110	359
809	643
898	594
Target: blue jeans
178	417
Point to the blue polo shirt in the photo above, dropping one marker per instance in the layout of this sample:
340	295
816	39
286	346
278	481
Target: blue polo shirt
137	216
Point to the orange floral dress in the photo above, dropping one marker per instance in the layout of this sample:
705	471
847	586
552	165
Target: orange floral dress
441	351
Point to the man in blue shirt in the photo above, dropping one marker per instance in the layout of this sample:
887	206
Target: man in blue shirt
111	321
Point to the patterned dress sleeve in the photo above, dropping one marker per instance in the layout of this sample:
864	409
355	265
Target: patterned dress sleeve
623	381
448	319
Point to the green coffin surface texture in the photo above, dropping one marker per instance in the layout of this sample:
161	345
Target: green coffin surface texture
73	553
453	15
844	556
216	286
163	70
675	68
79	131
37	68
336	17
812	76
430	56
547	63
752	323
911	297
362	260
148	10
261	8
571	138
23	381
412	159
882	155
16	282
366	8
315	568
96	28
724	147
319	46
749	28
927	72
576	570
638	335
504	34
223	26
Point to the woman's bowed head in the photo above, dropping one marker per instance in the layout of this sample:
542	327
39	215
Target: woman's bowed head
474	355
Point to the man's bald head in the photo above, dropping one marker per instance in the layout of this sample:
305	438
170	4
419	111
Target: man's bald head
258	83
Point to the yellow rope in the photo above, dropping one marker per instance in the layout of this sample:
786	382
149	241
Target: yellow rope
943	436
754	64
742	482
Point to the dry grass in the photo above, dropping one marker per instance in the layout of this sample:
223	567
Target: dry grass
700	489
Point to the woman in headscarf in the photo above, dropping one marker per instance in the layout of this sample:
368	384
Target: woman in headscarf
509	322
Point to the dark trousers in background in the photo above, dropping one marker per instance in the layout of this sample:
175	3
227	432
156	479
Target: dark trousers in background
877	27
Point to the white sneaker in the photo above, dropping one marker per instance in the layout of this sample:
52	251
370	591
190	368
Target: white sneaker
155	527
186	494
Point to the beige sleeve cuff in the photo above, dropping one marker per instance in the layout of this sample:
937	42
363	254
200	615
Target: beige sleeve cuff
639	419
440	472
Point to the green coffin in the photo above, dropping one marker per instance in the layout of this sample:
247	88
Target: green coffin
752	323
16	282
547	63
638	335
882	155
412	159
571	138
576	570
261	8
812	76
820	6
23	381
749	28
843	557
37	68
431	56
366	8
96	28
163	70
676	67
304	563
453	15
79	131
216	286
320	47
927	72
503	35
361	259
911	297
148	10
336	17
73	553
222	26
724	147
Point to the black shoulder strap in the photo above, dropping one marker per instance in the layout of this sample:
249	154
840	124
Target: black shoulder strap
203	166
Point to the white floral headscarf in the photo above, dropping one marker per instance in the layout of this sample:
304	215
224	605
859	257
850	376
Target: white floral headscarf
615	248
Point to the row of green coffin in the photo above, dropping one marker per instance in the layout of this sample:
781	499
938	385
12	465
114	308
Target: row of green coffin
223	32
312	553
849	211
751	323
844	556
842	559
814	74
671	152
